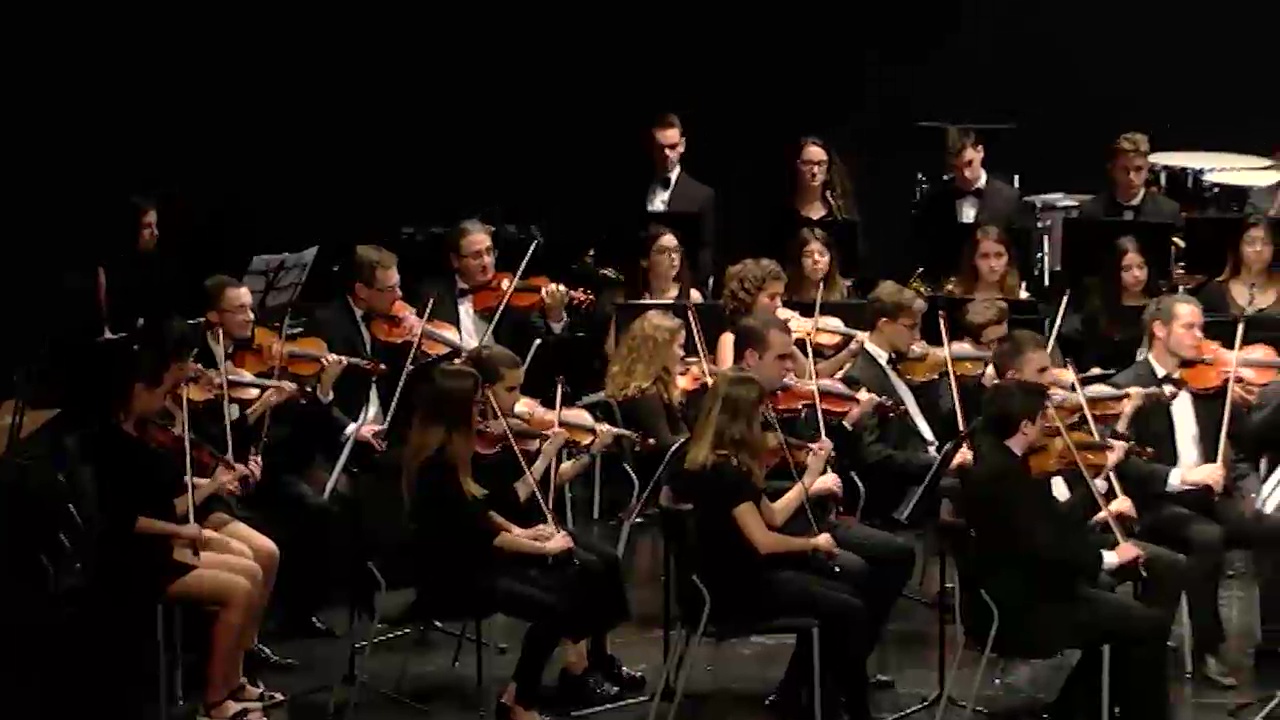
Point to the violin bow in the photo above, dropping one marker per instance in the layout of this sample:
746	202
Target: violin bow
555	462
1102	502
191	483
408	363
795	473
1057	321
226	394
951	370
699	342
275	377
1231	389
511	288
1093	426
524	465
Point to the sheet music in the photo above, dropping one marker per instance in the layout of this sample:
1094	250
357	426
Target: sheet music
275	280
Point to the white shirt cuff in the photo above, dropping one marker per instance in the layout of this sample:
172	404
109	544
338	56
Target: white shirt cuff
1110	560
324	397
1174	483
1102	484
350	429
558	327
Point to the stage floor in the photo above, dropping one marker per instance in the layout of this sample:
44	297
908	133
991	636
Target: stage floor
730	681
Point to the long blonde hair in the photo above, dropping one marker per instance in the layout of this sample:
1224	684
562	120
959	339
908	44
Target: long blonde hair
640	362
729	425
444	418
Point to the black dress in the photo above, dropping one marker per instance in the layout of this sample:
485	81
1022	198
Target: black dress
135	481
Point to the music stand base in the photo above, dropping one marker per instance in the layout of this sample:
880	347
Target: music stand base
931	702
1273	701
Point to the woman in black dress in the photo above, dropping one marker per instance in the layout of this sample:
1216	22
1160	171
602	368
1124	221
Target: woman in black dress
1111	333
661	274
155	551
489	564
591	675
1248	285
750	570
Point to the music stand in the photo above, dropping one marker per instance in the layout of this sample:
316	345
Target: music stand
1208	239
1258	328
275	281
1088	244
710	317
853	313
1025	314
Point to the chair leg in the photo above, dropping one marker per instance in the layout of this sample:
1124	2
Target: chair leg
480	676
1106	682
162	694
982	666
686	669
948	683
668	666
457	648
178	680
817	676
1184	619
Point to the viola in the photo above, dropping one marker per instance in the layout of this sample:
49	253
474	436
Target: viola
401	325
925	364
300	357
527	294
1258	365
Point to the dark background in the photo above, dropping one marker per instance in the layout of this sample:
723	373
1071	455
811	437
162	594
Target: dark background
337	144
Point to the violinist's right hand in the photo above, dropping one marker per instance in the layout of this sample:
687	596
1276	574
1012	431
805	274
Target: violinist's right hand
1208	475
819	453
561	542
1127	552
963	458
555	440
825	544
371	433
192	533
538	533
827	484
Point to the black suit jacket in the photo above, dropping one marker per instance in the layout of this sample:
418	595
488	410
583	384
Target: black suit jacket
1152	427
1154	208
690	196
516	330
1258	432
940	236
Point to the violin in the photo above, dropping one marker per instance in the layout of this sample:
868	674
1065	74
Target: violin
778	447
401	325
1055	456
692	376
924	363
491	438
205	460
300	357
527	294
1257	365
836	398
1104	402
581	427
825	331
241	385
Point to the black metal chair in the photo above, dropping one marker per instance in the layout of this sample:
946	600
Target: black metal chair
695	621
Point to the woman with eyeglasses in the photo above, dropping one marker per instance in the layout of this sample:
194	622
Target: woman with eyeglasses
1249	284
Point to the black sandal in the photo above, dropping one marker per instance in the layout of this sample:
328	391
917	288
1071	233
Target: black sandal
266	698
244	712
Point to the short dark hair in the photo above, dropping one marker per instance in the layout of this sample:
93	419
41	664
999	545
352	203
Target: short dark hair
145	359
215	288
752	333
464	230
1009	403
668	121
1013	347
369	259
983	313
1161	309
891	301
960	139
491	361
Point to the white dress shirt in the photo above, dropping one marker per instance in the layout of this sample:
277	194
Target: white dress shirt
211	337
1269	495
660	197
967	206
472	327
1131	207
1186	432
905	395
372	411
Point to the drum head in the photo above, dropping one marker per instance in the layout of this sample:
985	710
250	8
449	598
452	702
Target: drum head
1198	160
1244	178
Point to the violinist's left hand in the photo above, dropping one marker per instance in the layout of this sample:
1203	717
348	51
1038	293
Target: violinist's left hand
605	435
1244	395
1134	401
276	395
554	299
227	480
1116	453
255	467
866	401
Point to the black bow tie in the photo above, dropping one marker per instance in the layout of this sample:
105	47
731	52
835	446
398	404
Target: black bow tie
1177	383
664	182
974	193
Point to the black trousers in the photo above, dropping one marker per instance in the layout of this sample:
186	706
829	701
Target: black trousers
1204	540
843	627
308	532
875	566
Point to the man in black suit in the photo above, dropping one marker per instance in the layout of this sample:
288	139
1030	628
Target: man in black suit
672	190
901	449
1041	568
968	198
1257	436
1128	197
1199	505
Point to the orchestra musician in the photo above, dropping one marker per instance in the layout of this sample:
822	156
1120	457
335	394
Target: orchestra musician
136	274
1128	198
473	255
592	676
673	190
1041	568
1248	284
813	258
149	544
983	324
988	268
823	201
662	274
490	565
909	441
749	566
757	285
1201	509
1109	334
642	379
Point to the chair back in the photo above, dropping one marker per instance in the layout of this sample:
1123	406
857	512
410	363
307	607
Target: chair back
681	557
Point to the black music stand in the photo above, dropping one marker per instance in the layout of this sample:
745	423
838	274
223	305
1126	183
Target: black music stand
1026	314
1258	328
710	318
275	281
1088	244
853	313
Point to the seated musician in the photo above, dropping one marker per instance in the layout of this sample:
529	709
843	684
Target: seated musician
988	268
662	274
908	442
1109	334
813	258
642	378
877	564
592	676
1248	285
149	543
757	285
983	324
754	573
485	563
473	257
1040	567
1201	507
1128	197
136	273
284	500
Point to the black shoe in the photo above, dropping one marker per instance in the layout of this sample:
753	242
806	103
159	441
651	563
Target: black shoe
1216	672
783	704
587	689
264	658
305	627
626	679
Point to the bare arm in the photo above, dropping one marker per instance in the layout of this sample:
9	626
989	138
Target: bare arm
766	541
204	487
778	512
724	350
513	543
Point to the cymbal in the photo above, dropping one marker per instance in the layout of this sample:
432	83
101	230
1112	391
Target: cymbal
1200	160
1244	178
1058	199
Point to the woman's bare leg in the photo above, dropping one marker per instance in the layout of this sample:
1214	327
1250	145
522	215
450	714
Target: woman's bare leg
252	574
263	551
233	597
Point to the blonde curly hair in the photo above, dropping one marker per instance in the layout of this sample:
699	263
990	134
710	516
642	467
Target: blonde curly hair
639	363
744	282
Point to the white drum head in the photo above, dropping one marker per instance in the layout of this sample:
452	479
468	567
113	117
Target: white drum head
1198	160
1244	178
